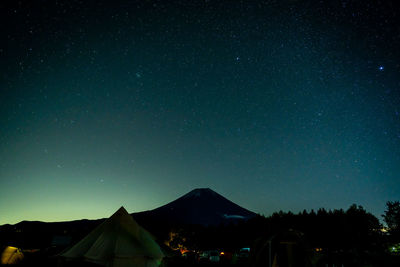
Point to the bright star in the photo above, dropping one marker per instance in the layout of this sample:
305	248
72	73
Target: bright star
381	68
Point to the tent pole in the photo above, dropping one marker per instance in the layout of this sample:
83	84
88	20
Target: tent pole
270	251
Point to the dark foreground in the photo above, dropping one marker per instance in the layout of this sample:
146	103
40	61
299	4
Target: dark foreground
182	262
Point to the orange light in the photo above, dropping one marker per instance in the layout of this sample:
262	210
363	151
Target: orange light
222	253
183	250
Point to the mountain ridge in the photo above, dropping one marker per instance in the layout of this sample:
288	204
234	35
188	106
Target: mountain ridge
201	206
198	204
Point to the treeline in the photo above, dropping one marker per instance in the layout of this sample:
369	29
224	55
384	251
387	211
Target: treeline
334	229
353	236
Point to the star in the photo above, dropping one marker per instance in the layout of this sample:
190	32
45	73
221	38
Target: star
381	68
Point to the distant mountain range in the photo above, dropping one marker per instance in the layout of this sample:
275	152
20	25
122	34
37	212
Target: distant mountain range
201	206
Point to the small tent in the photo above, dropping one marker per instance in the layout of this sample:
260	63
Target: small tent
11	255
118	242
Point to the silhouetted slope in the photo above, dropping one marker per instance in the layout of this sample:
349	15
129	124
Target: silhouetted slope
200	206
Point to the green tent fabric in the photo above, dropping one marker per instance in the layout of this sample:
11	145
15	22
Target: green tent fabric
118	242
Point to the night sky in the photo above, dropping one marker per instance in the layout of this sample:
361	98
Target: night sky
277	105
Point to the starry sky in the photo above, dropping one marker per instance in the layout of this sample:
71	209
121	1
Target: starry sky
277	105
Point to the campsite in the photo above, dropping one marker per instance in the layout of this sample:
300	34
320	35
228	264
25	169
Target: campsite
324	238
200	133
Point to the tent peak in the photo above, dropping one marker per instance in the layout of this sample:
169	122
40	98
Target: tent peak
121	211
122	208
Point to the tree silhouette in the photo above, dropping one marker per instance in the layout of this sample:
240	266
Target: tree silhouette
392	218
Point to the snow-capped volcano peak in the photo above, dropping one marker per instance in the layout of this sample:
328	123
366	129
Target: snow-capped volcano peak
202	206
198	192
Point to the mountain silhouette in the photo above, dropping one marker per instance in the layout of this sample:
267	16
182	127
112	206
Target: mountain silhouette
201	206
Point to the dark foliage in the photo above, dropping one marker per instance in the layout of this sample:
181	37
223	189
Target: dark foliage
392	219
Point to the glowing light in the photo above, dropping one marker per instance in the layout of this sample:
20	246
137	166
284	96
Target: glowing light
11	255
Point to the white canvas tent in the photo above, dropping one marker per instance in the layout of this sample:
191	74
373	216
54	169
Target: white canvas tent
118	242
